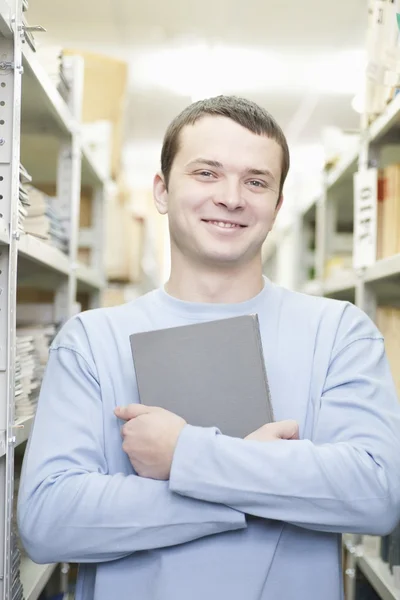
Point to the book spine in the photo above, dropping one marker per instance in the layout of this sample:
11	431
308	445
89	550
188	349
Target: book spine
256	323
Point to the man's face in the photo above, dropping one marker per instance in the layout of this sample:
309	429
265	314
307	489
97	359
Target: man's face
223	192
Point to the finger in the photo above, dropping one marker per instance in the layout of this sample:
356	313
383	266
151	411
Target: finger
124	431
131	411
288	430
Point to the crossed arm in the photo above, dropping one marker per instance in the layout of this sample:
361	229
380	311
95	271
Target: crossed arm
346	479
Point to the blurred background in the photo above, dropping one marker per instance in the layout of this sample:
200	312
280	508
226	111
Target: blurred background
87	90
304	62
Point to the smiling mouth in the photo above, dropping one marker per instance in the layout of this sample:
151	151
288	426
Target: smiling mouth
224	224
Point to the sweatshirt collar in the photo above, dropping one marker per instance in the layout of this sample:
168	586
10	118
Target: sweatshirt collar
212	309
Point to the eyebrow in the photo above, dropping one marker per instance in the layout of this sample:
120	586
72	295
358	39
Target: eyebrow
205	161
217	165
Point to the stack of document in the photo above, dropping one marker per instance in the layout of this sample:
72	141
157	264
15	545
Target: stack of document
17	549
63	84
58	233
43	220
51	59
23	204
17	591
31	357
26	377
37	222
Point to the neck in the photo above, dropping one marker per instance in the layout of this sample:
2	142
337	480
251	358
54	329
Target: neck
197	283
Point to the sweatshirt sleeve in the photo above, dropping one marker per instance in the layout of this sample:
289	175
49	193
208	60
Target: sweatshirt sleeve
70	508
346	479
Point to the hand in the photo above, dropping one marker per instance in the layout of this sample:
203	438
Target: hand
150	437
281	430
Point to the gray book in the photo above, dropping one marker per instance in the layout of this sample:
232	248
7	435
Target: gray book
212	374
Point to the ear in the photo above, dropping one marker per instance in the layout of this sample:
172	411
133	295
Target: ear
160	194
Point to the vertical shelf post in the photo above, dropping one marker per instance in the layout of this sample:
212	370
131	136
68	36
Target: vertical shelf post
10	118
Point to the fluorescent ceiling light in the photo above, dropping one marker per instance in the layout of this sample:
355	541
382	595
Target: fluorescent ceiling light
200	70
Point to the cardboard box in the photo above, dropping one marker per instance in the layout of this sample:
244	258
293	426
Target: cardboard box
104	96
124	240
86	207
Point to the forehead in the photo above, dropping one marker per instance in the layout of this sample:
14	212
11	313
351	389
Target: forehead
224	140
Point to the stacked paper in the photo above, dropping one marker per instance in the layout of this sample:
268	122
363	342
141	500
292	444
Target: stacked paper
43	220
36	222
17	550
17	591
58	233
26	377
23	204
31	358
51	59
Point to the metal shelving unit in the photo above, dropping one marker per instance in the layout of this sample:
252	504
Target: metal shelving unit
373	281
42	130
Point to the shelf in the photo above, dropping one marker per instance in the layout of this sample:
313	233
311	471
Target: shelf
344	169
313	288
309	208
379	576
90	173
339	284
22	429
43	165
43	254
4	237
89	279
5	19
34	577
386	121
383	269
43	109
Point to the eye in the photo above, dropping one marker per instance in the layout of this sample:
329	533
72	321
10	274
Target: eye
206	174
258	183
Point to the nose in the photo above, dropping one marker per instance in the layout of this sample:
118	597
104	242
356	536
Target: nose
230	195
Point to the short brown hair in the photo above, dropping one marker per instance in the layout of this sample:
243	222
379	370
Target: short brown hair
244	112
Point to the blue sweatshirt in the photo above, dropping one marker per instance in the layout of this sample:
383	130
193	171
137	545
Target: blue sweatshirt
238	519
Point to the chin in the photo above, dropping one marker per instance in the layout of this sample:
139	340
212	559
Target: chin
225	259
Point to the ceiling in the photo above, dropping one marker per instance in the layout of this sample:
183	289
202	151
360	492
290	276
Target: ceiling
301	60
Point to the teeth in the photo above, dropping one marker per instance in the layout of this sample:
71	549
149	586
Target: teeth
222	224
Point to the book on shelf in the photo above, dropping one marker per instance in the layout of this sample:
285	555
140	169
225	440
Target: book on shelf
388	322
388	212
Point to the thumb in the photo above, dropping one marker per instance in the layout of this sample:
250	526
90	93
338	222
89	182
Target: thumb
126	413
287	430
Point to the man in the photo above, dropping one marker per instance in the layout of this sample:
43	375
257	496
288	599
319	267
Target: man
178	512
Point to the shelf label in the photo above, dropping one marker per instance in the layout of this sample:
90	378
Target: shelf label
365	217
